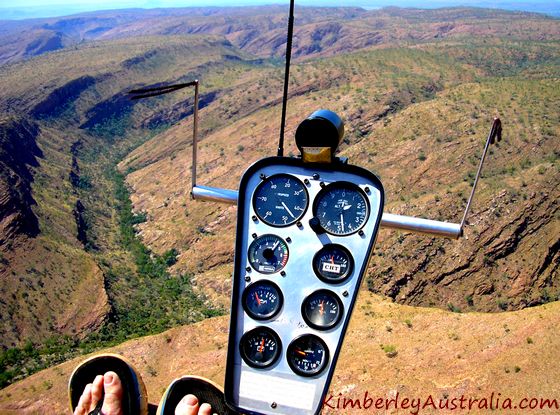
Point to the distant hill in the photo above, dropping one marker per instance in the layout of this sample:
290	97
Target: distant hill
261	30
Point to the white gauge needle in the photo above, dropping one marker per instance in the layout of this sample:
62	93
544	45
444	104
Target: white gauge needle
347	207
275	245
288	210
342	222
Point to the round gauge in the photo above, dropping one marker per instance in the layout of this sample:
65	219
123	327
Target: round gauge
308	355
268	254
262	300
322	310
280	200
333	263
342	208
260	347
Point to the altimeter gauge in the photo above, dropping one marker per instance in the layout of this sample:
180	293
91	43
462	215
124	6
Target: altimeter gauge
341	208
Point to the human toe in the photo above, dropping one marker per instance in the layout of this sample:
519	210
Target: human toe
205	409
187	406
85	401
112	401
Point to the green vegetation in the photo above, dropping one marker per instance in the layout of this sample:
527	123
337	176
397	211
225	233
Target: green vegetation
145	298
144	302
155	299
390	350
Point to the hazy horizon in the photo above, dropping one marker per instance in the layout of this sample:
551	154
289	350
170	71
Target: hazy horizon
26	9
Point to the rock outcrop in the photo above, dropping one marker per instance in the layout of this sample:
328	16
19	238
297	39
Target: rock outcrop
19	154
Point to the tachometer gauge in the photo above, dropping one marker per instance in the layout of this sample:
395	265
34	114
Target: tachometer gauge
262	300
308	355
268	254
260	347
280	200
333	263
342	208
322	310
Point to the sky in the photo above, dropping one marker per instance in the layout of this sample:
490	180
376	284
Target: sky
18	9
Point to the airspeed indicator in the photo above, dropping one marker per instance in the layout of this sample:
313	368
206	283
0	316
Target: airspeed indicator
280	200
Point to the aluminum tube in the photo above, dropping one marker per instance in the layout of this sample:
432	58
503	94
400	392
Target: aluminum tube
419	225
214	194
388	220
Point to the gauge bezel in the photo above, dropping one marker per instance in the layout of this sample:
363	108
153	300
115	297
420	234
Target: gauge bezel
296	369
267	316
270	362
331	325
330	280
249	256
341	184
263	183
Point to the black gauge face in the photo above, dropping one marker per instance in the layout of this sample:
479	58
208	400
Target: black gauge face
333	263
260	347
268	254
308	355
262	300
280	200
342	208
322	310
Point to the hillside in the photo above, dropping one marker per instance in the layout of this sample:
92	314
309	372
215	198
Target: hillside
439	354
100	241
436	109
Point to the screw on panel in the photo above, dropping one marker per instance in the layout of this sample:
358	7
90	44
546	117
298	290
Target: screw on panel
306	181
247	278
273	405
283	273
366	189
288	239
263	176
361	233
322	184
345	294
254	217
299	224
248	269
316	176
254	235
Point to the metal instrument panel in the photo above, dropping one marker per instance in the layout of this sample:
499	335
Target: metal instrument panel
277	389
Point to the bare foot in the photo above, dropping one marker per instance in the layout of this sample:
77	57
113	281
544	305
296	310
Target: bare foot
107	387
189	406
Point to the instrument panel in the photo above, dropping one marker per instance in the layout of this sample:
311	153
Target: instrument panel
304	237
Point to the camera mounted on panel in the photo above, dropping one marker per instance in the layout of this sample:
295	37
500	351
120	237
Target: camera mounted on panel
318	137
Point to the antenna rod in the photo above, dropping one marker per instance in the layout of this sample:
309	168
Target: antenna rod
286	78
